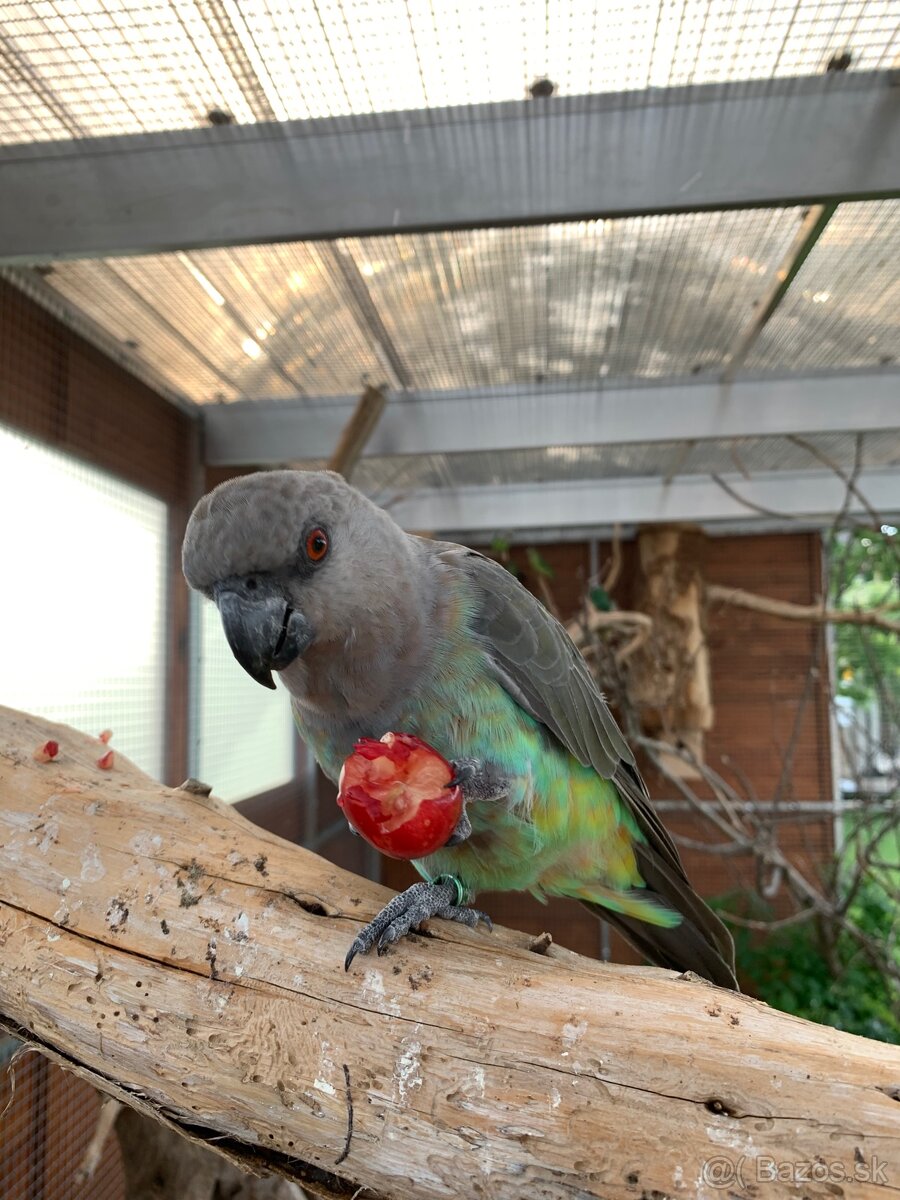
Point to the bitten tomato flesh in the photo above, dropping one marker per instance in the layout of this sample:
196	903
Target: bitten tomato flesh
395	794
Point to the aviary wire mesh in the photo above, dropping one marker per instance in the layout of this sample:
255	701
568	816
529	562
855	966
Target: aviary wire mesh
616	301
571	302
843	308
386	477
73	69
47	1119
642	299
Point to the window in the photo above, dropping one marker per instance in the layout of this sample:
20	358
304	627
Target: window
83	598
243	741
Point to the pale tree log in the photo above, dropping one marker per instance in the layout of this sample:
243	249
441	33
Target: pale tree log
668	680
191	965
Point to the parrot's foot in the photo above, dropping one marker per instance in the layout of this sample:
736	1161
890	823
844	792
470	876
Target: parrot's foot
408	910
478	780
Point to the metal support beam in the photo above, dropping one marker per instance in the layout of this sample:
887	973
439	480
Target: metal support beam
477	512
766	142
272	432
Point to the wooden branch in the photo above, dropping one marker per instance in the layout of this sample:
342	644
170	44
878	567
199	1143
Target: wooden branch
611	578
800	612
848	479
357	431
579	631
190	964
106	1119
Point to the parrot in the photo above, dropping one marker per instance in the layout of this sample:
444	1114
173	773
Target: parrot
372	629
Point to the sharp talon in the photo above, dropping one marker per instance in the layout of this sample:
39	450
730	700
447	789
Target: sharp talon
411	909
351	954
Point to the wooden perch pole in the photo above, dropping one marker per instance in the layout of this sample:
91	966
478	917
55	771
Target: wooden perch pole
357	431
190	964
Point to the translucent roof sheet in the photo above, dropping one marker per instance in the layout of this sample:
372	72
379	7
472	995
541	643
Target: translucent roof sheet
635	299
383	477
73	68
645	298
228	324
843	308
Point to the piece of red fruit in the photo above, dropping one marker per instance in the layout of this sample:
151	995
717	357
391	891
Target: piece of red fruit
46	753
105	761
395	794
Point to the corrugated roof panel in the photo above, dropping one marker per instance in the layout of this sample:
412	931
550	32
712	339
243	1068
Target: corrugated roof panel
133	319
228	324
644	298
384	477
618	301
290	300
87	67
843	308
809	453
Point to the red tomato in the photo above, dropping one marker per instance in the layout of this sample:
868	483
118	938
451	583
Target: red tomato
394	793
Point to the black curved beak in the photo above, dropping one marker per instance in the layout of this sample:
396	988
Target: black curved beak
264	632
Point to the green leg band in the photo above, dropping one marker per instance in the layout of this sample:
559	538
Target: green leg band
457	883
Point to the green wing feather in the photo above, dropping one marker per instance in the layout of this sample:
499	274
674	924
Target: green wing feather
534	659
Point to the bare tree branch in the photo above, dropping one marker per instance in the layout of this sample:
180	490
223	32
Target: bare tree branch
849	480
808	613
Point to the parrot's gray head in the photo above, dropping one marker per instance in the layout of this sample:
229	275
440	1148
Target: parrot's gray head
295	559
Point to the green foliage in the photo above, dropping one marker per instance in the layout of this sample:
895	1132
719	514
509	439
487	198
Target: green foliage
868	659
792	969
817	968
864	554
538	563
865	576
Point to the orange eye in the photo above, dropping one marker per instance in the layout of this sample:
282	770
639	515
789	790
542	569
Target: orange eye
317	545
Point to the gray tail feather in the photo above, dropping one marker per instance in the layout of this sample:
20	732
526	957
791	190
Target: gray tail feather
701	943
